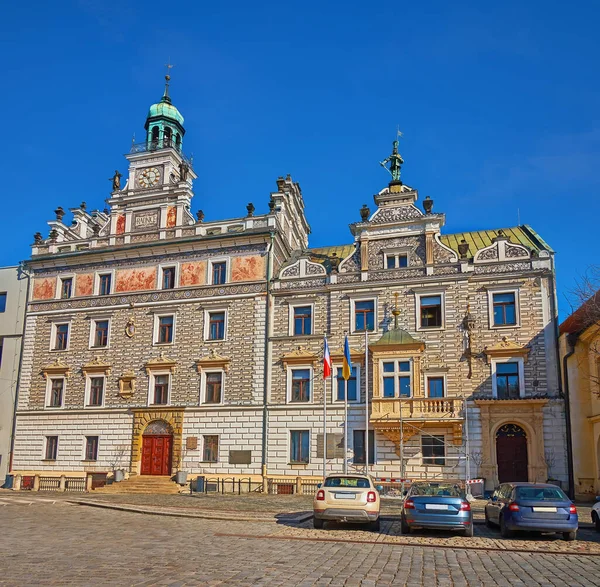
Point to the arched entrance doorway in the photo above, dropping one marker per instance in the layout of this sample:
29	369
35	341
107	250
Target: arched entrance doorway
157	449
511	453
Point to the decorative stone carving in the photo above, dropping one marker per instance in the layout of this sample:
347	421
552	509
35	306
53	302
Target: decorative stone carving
506	348
96	365
127	384
56	368
515	251
299	356
489	254
160	363
291	271
213	361
396	214
314	269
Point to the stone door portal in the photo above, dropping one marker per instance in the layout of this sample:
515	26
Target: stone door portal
511	454
157	449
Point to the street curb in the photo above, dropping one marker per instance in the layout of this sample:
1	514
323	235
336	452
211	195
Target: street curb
137	510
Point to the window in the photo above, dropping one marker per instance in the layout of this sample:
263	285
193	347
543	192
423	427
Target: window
216	325
210	451
3	302
302	320
100	333
214	386
168	278
505	309
507	381
300	385
161	390
352	385
430	311
364	315
435	387
91	448
396	260
397	377
104	284
51	448
299	446
61	337
434	450
66	287
359	446
219	273
165	330
55	399
96	391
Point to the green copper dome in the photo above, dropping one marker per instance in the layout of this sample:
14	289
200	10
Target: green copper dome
396	336
166	110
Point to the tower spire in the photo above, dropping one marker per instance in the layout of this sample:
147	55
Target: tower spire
166	97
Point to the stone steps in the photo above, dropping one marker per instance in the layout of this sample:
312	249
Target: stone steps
143	484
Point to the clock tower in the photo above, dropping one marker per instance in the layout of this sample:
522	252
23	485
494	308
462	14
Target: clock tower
158	191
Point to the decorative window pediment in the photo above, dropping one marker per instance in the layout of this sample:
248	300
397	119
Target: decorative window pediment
96	366
213	361
356	356
161	363
56	368
506	348
299	356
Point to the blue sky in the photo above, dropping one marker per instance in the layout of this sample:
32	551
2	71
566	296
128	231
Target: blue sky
498	104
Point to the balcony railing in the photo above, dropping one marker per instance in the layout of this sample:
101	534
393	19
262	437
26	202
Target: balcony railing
388	409
151	146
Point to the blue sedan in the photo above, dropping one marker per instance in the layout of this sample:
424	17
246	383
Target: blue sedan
532	507
440	506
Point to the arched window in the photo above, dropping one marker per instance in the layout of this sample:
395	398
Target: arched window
167	137
178	141
154	140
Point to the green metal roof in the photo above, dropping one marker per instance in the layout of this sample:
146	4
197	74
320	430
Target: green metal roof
320	254
165	110
396	336
478	239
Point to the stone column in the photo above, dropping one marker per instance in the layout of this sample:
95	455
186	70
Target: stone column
63	483
298	485
88	482
17	483
36	483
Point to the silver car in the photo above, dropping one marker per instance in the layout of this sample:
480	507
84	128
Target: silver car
440	506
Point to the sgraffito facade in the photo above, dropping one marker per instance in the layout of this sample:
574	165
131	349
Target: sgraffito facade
143	314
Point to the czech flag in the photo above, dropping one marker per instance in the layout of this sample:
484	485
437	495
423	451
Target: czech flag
326	361
346	370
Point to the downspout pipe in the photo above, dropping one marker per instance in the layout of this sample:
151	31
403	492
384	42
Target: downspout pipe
571	342
267	358
22	271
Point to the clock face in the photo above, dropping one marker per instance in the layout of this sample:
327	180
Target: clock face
149	177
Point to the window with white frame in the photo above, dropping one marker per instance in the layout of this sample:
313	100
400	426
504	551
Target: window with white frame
168	277
396	378
104	284
160	384
99	335
396	260
91	448
435	386
363	315
210	448
60	336
353	387
51	448
433	449
508	378
66	287
218	272
164	329
213	387
504	308
55	392
95	391
299	446
430	310
302	320
215	325
300	384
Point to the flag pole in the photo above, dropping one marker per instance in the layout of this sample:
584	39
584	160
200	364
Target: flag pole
345	426
324	428
366	402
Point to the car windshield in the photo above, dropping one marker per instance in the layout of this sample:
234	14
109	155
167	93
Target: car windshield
436	489
541	493
347	482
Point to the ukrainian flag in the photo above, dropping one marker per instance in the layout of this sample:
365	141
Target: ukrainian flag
346	370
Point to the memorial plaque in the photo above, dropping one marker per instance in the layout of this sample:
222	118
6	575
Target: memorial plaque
145	220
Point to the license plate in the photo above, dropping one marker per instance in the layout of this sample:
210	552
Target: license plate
436	506
345	495
543	509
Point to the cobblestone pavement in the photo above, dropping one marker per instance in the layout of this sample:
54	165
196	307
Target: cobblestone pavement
62	544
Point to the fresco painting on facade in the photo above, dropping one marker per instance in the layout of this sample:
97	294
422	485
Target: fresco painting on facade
171	216
251	268
135	279
232	348
84	284
120	224
44	288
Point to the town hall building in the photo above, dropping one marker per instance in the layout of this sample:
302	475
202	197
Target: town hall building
156	341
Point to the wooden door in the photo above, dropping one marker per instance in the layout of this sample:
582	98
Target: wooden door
511	454
156	455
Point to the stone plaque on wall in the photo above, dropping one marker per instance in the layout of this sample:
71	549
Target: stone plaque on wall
145	220
335	446
240	457
191	443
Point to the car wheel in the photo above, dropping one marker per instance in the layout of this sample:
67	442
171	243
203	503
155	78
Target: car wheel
504	531
570	536
596	521
375	526
468	531
488	522
318	524
404	527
